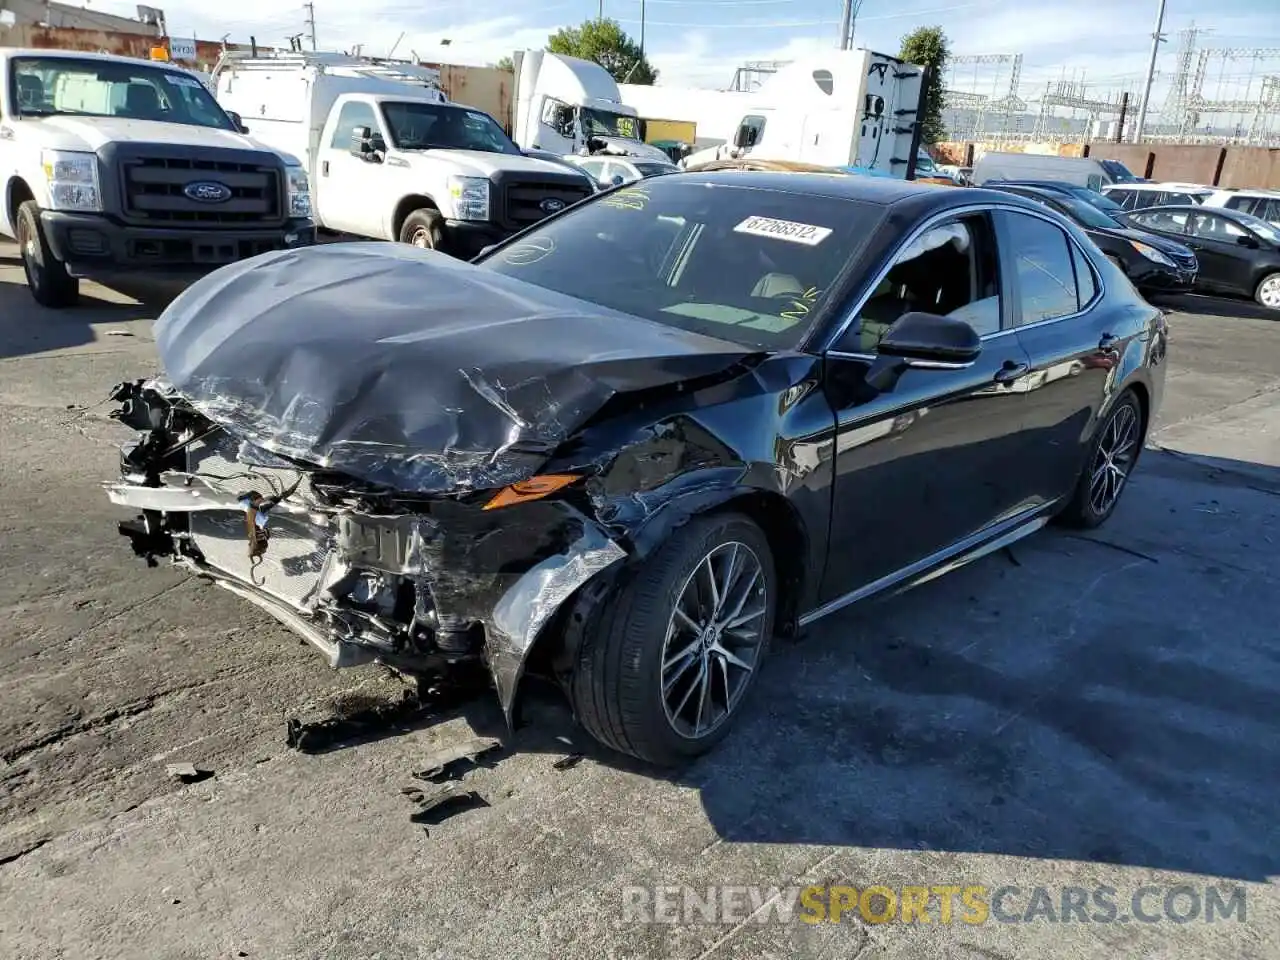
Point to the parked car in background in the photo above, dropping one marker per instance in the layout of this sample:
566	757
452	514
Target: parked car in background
1264	204
1102	202
1239	254
629	446
1139	196
610	171
1082	171
1154	264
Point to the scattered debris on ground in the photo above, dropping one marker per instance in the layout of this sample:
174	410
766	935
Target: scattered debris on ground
187	773
438	807
569	762
454	761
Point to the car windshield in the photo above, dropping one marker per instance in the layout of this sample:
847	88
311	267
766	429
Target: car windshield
1095	199
654	169
743	264
1264	228
48	86
1118	172
602	123
422	125
1087	214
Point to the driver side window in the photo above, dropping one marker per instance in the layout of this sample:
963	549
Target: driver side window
950	270
354	114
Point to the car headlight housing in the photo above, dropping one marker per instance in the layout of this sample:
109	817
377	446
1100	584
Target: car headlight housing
470	198
1152	254
73	180
299	192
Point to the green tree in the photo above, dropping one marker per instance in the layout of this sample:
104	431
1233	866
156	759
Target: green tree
928	47
506	63
604	42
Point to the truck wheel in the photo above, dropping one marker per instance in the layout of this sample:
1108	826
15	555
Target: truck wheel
47	276
665	669
423	228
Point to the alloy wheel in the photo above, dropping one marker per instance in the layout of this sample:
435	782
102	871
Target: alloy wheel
422	238
1114	458
714	639
1269	292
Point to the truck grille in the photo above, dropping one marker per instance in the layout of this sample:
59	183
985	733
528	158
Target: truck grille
153	191
523	201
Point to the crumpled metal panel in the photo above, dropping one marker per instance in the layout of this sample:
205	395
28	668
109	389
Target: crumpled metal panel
406	368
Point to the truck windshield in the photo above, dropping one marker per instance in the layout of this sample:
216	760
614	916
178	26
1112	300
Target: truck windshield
753	267
602	123
49	86
419	125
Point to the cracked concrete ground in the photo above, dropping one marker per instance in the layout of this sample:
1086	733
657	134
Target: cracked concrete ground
1084	711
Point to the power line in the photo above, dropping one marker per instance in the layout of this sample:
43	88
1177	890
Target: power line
774	25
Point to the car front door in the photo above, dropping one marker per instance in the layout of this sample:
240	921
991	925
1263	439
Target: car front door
1219	243
934	458
346	181
1072	344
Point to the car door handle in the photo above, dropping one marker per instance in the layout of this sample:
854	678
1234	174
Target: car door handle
1011	371
324	169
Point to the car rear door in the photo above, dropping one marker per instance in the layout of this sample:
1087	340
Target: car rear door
935	459
1071	341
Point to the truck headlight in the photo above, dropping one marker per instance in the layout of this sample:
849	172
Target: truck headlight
73	180
299	192
470	198
1152	254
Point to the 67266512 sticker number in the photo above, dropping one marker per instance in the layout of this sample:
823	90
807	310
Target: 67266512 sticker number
789	230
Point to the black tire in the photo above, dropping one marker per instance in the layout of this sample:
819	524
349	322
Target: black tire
1084	512
47	276
615	686
423	228
1267	291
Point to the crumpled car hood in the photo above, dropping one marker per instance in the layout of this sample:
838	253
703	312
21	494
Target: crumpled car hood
406	368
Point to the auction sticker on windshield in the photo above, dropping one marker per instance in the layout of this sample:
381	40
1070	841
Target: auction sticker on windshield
805	233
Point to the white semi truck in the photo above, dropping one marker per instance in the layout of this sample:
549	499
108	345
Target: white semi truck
568	107
112	166
389	156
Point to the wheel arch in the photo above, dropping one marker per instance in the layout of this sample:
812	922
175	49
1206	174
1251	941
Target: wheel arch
16	192
406	206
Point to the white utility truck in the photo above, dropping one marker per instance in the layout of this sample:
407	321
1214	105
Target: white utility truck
389	157
840	108
113	166
572	107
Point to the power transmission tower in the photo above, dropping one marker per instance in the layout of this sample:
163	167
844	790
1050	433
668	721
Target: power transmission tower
311	22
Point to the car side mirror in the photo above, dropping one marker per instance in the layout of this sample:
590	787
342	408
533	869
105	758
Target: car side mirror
1247	241
924	341
742	137
236	119
365	144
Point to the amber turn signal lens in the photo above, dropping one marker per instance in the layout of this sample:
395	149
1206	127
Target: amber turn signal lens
535	488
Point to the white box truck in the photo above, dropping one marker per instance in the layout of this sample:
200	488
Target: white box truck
389	157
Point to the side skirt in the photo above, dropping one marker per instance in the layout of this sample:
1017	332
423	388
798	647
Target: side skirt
971	548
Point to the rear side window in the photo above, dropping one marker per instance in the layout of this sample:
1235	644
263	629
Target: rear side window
1044	267
1243	203
1086	285
1272	211
1179	199
1122	197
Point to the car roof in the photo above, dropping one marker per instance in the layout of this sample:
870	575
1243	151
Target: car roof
49	54
1163	186
884	191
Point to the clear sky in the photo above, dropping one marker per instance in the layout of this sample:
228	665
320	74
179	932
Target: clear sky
700	42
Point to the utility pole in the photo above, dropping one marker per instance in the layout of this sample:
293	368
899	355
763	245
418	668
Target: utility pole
311	22
600	15
641	27
846	21
1157	38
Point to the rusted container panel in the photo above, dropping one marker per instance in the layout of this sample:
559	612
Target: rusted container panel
1187	163
104	41
485	88
1251	167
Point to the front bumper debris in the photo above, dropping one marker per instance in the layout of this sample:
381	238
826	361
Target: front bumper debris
364	576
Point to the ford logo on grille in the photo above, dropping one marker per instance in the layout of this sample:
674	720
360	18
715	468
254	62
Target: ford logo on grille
551	205
207	191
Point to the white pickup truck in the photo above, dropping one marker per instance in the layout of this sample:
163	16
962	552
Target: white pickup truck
113	166
389	157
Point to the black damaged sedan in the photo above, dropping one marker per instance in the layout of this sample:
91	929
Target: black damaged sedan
629	446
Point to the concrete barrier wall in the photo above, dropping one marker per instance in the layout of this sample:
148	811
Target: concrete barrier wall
1253	167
